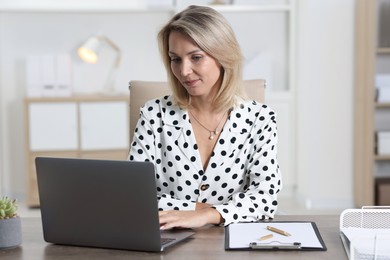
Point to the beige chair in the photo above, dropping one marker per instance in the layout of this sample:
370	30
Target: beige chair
142	91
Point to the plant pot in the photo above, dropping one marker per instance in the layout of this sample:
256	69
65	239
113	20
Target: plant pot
10	232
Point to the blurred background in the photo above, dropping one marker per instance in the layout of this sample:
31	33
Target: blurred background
54	102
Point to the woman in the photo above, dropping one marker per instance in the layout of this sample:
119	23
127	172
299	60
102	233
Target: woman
214	152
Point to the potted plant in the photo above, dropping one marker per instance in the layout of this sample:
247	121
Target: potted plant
10	224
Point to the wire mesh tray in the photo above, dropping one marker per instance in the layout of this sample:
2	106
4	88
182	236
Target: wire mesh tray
365	233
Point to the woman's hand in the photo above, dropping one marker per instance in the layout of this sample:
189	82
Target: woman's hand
189	219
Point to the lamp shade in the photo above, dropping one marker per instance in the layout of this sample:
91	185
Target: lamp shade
90	49
89	52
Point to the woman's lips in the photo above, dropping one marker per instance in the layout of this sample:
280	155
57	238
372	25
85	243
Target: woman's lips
191	83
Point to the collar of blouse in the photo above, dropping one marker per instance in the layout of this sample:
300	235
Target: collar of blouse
178	118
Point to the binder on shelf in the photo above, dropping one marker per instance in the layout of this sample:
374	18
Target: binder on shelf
383	142
274	235
34	79
49	75
382	82
64	75
383	95
365	233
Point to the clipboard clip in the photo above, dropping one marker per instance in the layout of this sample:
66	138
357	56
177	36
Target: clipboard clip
276	245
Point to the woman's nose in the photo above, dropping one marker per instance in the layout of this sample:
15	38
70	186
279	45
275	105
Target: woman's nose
186	68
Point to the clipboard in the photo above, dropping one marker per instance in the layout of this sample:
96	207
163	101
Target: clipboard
302	235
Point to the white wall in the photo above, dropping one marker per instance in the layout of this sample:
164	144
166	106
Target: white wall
325	103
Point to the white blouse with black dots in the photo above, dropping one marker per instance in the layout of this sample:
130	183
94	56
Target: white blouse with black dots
242	178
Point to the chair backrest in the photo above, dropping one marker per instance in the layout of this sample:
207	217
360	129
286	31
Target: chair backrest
142	91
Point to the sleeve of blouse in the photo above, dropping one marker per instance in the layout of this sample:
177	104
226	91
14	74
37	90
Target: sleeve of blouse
142	145
259	200
142	148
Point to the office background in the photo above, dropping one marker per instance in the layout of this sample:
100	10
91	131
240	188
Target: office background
319	167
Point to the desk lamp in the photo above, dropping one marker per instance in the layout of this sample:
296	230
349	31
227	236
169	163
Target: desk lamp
89	52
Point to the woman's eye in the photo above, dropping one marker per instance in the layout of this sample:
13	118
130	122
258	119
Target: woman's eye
196	58
175	60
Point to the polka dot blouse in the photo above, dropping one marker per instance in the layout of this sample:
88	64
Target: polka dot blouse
242	178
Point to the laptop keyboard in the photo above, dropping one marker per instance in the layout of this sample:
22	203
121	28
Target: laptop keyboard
165	240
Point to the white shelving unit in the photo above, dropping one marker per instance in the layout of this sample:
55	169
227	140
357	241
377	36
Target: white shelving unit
77	127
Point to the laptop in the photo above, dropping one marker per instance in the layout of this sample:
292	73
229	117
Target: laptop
101	203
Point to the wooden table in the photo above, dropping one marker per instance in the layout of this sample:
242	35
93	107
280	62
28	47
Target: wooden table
207	243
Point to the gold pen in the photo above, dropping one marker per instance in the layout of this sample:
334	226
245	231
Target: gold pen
279	231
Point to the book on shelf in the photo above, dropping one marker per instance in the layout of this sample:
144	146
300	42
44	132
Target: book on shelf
382	84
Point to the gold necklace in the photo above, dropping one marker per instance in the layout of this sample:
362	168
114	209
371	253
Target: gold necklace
212	132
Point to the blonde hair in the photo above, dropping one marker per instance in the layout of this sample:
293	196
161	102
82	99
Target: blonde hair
214	35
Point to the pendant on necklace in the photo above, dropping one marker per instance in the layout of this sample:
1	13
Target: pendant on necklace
212	134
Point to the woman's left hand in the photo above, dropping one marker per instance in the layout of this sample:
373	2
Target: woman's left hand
189	219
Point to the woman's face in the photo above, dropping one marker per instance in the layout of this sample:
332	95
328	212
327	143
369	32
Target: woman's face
197	71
